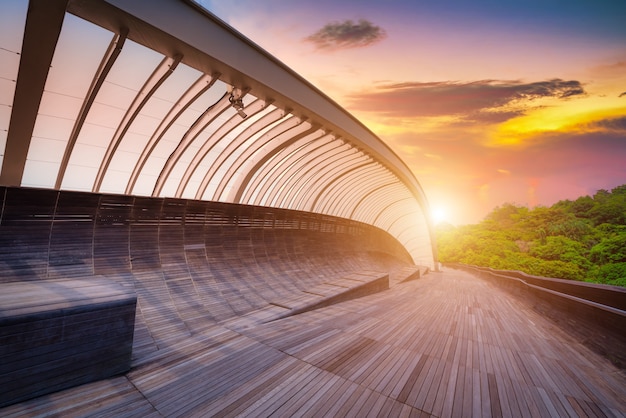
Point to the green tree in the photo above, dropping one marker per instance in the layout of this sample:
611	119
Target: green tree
579	207
583	239
612	273
611	249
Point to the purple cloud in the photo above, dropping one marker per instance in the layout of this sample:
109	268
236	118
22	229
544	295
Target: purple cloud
347	34
464	99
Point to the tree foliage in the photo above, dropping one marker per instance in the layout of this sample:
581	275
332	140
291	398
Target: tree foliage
583	239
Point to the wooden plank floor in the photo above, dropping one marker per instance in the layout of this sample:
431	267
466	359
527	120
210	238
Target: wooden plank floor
447	344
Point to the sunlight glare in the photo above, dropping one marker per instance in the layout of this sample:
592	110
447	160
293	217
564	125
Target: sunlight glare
439	214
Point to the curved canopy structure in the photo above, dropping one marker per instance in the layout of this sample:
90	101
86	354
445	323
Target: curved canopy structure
163	99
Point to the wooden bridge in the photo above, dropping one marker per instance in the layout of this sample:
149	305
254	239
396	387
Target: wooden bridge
291	285
448	344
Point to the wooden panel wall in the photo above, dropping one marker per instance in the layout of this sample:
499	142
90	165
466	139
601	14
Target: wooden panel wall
53	234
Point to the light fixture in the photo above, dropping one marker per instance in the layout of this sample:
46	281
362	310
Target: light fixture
236	102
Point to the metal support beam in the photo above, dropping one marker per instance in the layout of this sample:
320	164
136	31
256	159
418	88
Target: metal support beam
43	26
115	47
158	77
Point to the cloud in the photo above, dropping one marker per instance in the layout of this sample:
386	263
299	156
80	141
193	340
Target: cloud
433	156
347	34
611	124
483	100
492	116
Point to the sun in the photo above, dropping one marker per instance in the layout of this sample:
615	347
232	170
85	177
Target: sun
438	214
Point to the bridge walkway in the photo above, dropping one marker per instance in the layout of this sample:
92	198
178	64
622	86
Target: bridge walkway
447	344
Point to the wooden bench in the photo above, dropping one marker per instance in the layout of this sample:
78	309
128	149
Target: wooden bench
56	334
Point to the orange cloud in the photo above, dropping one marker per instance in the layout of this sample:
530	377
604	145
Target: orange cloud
590	114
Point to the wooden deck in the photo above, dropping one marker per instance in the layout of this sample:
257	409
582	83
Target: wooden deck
447	344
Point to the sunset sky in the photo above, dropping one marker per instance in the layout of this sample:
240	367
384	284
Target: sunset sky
488	102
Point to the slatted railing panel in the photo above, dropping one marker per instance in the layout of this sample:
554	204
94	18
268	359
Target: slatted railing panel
71	239
25	233
144	234
112	235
